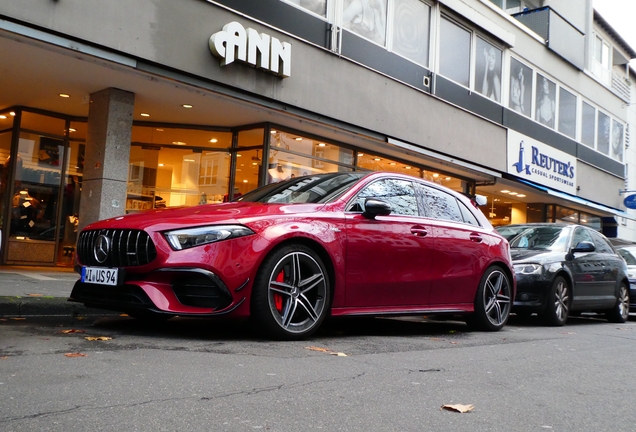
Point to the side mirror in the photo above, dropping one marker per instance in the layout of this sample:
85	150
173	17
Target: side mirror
481	200
374	207
584	246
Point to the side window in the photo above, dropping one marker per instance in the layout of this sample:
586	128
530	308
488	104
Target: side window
581	234
440	205
469	217
627	256
601	244
398	193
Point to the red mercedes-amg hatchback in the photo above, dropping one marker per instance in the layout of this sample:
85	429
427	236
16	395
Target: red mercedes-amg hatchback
288	254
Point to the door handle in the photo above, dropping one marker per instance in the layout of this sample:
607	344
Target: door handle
419	231
476	238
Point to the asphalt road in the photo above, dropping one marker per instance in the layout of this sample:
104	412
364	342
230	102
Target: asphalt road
199	375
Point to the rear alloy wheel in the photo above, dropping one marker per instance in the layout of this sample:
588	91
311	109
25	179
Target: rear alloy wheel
492	301
290	297
620	312
558	303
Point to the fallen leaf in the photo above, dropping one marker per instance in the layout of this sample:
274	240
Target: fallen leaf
73	331
315	348
3	319
454	343
124	315
98	338
75	355
326	350
452	331
458	407
35	295
18	319
4	357
80	318
435	339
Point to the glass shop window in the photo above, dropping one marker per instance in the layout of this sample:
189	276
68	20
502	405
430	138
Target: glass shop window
603	133
567	113
488	70
588	122
545	101
366	18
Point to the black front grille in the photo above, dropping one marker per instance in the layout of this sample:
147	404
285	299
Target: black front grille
127	248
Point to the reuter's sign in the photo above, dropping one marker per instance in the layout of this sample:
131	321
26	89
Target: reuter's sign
539	163
234	42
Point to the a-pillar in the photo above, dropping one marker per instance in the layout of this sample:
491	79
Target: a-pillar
110	117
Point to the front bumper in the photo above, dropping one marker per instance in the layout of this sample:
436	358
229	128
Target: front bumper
532	293
171	291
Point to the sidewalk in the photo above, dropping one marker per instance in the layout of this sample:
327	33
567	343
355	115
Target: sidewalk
40	291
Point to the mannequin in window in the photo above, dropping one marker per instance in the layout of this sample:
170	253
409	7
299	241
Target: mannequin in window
277	174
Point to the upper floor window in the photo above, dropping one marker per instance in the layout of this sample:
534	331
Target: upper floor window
520	88
454	52
488	70
411	29
318	7
602	132
601	60
545	101
366	18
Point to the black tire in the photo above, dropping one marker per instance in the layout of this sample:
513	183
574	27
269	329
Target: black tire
291	294
620	312
493	301
557	303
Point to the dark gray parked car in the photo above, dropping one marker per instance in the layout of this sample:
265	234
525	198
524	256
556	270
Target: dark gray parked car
564	269
629	254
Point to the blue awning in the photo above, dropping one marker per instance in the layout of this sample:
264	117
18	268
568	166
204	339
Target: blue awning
591	205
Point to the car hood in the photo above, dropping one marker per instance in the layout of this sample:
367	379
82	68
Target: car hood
176	217
535	256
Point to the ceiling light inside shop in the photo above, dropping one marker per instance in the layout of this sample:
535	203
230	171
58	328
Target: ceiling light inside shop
407	167
178	142
188	160
64	95
12	113
238	155
377	159
299	139
448	178
360	154
72	130
272	131
513	193
254	163
321	144
160	165
521	195
159	130
505	191
213	140
435	175
244	181
144	115
3	117
186	106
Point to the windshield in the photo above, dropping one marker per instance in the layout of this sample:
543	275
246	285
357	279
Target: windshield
541	238
313	189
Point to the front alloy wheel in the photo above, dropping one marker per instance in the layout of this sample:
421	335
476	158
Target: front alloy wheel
492	301
291	293
620	312
558	303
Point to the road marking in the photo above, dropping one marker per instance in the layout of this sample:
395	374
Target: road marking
37	276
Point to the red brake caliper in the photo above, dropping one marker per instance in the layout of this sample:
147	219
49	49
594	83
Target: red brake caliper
278	299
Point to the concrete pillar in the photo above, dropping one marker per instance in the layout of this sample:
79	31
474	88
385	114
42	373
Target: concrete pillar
110	117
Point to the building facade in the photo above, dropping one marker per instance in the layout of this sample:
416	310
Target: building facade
114	107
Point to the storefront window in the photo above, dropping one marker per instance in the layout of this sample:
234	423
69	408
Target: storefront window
411	27
169	177
43	124
454	56
252	137
567	215
594	222
291	155
181	137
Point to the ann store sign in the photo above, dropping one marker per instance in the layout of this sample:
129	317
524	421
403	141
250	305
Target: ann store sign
234	42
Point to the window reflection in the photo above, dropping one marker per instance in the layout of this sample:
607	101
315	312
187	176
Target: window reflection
454	52
366	18
440	205
398	193
411	23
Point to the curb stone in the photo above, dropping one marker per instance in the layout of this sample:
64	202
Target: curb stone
17	306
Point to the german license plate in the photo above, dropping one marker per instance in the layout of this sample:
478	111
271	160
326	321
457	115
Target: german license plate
100	275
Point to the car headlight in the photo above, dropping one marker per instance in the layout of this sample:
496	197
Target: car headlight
191	237
527	268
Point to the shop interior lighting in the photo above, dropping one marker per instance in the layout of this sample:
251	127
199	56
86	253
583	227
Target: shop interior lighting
159	130
186	106
3	117
272	131
64	95
448	178
360	154
435	175
505	191
12	113
299	139
72	130
145	115
407	167
377	159
160	165
213	140
178	142
392	164
513	193
521	195
321	144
